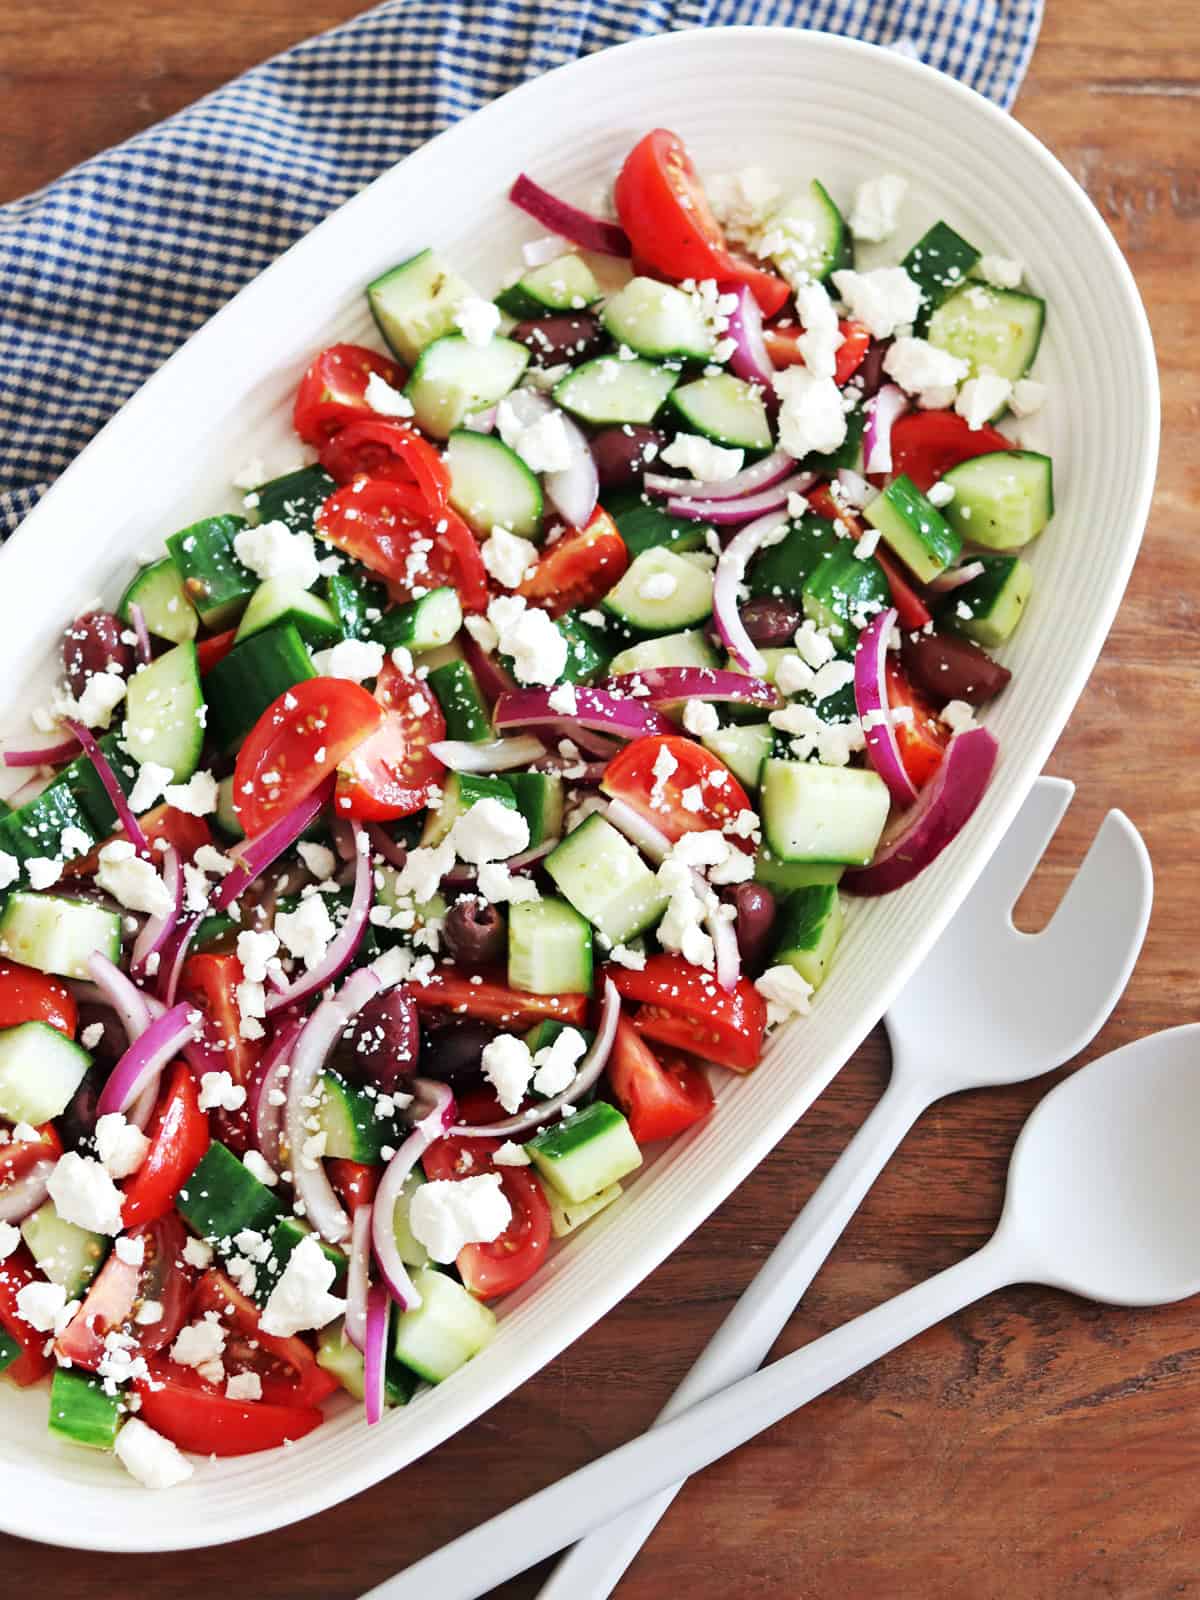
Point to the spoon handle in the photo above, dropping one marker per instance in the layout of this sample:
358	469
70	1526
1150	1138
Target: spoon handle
537	1527
742	1342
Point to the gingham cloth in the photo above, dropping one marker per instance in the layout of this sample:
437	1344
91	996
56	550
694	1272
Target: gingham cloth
105	271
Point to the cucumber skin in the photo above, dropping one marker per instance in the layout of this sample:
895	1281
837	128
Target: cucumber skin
221	1197
566	1155
176	720
252	677
214	580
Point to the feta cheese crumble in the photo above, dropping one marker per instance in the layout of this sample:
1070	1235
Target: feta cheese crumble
272	550
121	1145
508	1066
477	320
883	300
785	991
527	634
301	1299
150	1458
980	398
449	1213
877	203
921	369
708	462
507	557
386	400
811	414
84	1193
354	659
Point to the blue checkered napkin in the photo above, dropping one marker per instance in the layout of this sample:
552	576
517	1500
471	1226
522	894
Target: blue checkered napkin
104	272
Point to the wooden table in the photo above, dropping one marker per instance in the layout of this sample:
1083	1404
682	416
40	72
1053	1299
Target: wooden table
1034	1446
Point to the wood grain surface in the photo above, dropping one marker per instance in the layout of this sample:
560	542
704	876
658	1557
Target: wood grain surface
1034	1446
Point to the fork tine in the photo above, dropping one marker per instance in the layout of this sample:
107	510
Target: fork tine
1022	847
1113	887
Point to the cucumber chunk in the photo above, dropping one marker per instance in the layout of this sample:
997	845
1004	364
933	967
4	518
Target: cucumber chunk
347	1117
938	264
457	692
294	498
782	877
661	593
164	712
781	570
37	827
337	1355
167	611
549	948
565	284
409	1248
540	802
644	527
416	302
826	814
841	594
460	792
82	779
454	377
490	484
357	603
281	600
56	934
807	235
287	1234
994	329
424	624
214	580
567	1215
725	409
81	1411
587	1153
441	1334
743	750
222	1197
605	879
608	390
807	932
68	1254
587	649
691	648
916	530
251	677
1002	500
658	320
40	1069
988	609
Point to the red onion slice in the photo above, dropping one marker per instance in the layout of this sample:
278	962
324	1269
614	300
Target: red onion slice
731	570
761	475
114	791
170	968
888	404
255	855
490	677
142	1064
588	232
375	1341
574	489
942	809
383	1215
480	421
342	949
726	949
358	1278
750	359
382	843
266	1114
124	997
322	1207
496	755
47	755
590	1068
955	577
668	685
728	513
138	617
21	1199
594	708
156	931
651	841
874	710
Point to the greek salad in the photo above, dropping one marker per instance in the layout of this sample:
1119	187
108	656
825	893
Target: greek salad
414	846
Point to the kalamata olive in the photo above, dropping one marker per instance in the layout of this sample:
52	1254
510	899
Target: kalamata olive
112	1041
92	644
382	1044
770	621
77	1123
620	453
945	667
870	377
571	336
755	920
451	1050
473	933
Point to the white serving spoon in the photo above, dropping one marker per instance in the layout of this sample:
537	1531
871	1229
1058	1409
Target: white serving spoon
1103	1200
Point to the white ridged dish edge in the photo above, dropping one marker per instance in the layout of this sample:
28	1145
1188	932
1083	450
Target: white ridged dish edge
798	104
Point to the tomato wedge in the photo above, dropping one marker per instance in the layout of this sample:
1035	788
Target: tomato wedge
27	995
682	1006
354	1182
286	1367
660	1098
664	210
121	1286
186	832
389	775
909	603
493	1269
630	776
783	347
178	1135
393	451
210	651
33	1363
922	741
579	568
296	743
19	1156
198	1417
209	980
333	391
392	529
926	444
488	997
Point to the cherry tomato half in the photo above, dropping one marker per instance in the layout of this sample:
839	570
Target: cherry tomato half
391	529
660	1097
684	1007
333	391
579	568
630	776
390	773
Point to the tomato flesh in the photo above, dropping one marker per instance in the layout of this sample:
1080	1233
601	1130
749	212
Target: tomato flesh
926	444
660	1098
682	1006
178	1135
285	1366
198	1417
27	995
630	776
121	1286
579	568
489	1270
333	392
910	606
491	999
33	1363
394	451
394	530
922	741
390	774
783	347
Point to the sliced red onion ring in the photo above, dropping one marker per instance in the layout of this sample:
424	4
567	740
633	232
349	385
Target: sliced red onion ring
47	755
944	806
124	997
114	791
856	491
382	843
728	513
731	570
955	577
491	678
496	755
590	1068
374	1348
588	232
874	710
170	968
750	359
266	1113
888	404
594	708
574	489
358	1281
254	856
383	1231
156	931
725	945
761	475
342	949
651	841
591	773
598	745
21	1199
138	617
668	685
480	421
142	1064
